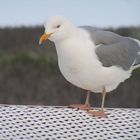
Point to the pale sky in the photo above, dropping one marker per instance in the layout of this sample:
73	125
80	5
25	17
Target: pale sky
100	13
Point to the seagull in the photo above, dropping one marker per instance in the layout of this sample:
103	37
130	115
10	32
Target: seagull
92	59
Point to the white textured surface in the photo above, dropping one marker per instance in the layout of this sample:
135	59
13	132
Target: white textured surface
56	123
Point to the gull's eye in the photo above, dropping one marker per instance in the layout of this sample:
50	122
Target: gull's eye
57	26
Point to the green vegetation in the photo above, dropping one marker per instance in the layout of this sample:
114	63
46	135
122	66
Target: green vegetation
41	61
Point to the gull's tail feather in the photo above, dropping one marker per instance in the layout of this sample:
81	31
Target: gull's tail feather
136	63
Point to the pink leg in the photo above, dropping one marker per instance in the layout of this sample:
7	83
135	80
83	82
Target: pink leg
100	113
85	106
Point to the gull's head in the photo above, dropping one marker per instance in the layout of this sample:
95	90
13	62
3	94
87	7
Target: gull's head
57	28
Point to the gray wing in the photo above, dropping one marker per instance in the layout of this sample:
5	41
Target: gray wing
114	50
123	54
102	37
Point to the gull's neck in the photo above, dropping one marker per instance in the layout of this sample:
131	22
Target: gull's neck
77	48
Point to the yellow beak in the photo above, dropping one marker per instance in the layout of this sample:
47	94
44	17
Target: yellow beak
44	37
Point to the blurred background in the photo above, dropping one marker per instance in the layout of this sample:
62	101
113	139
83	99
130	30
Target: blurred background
29	73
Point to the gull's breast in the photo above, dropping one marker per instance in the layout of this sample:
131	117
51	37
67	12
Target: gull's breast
71	74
